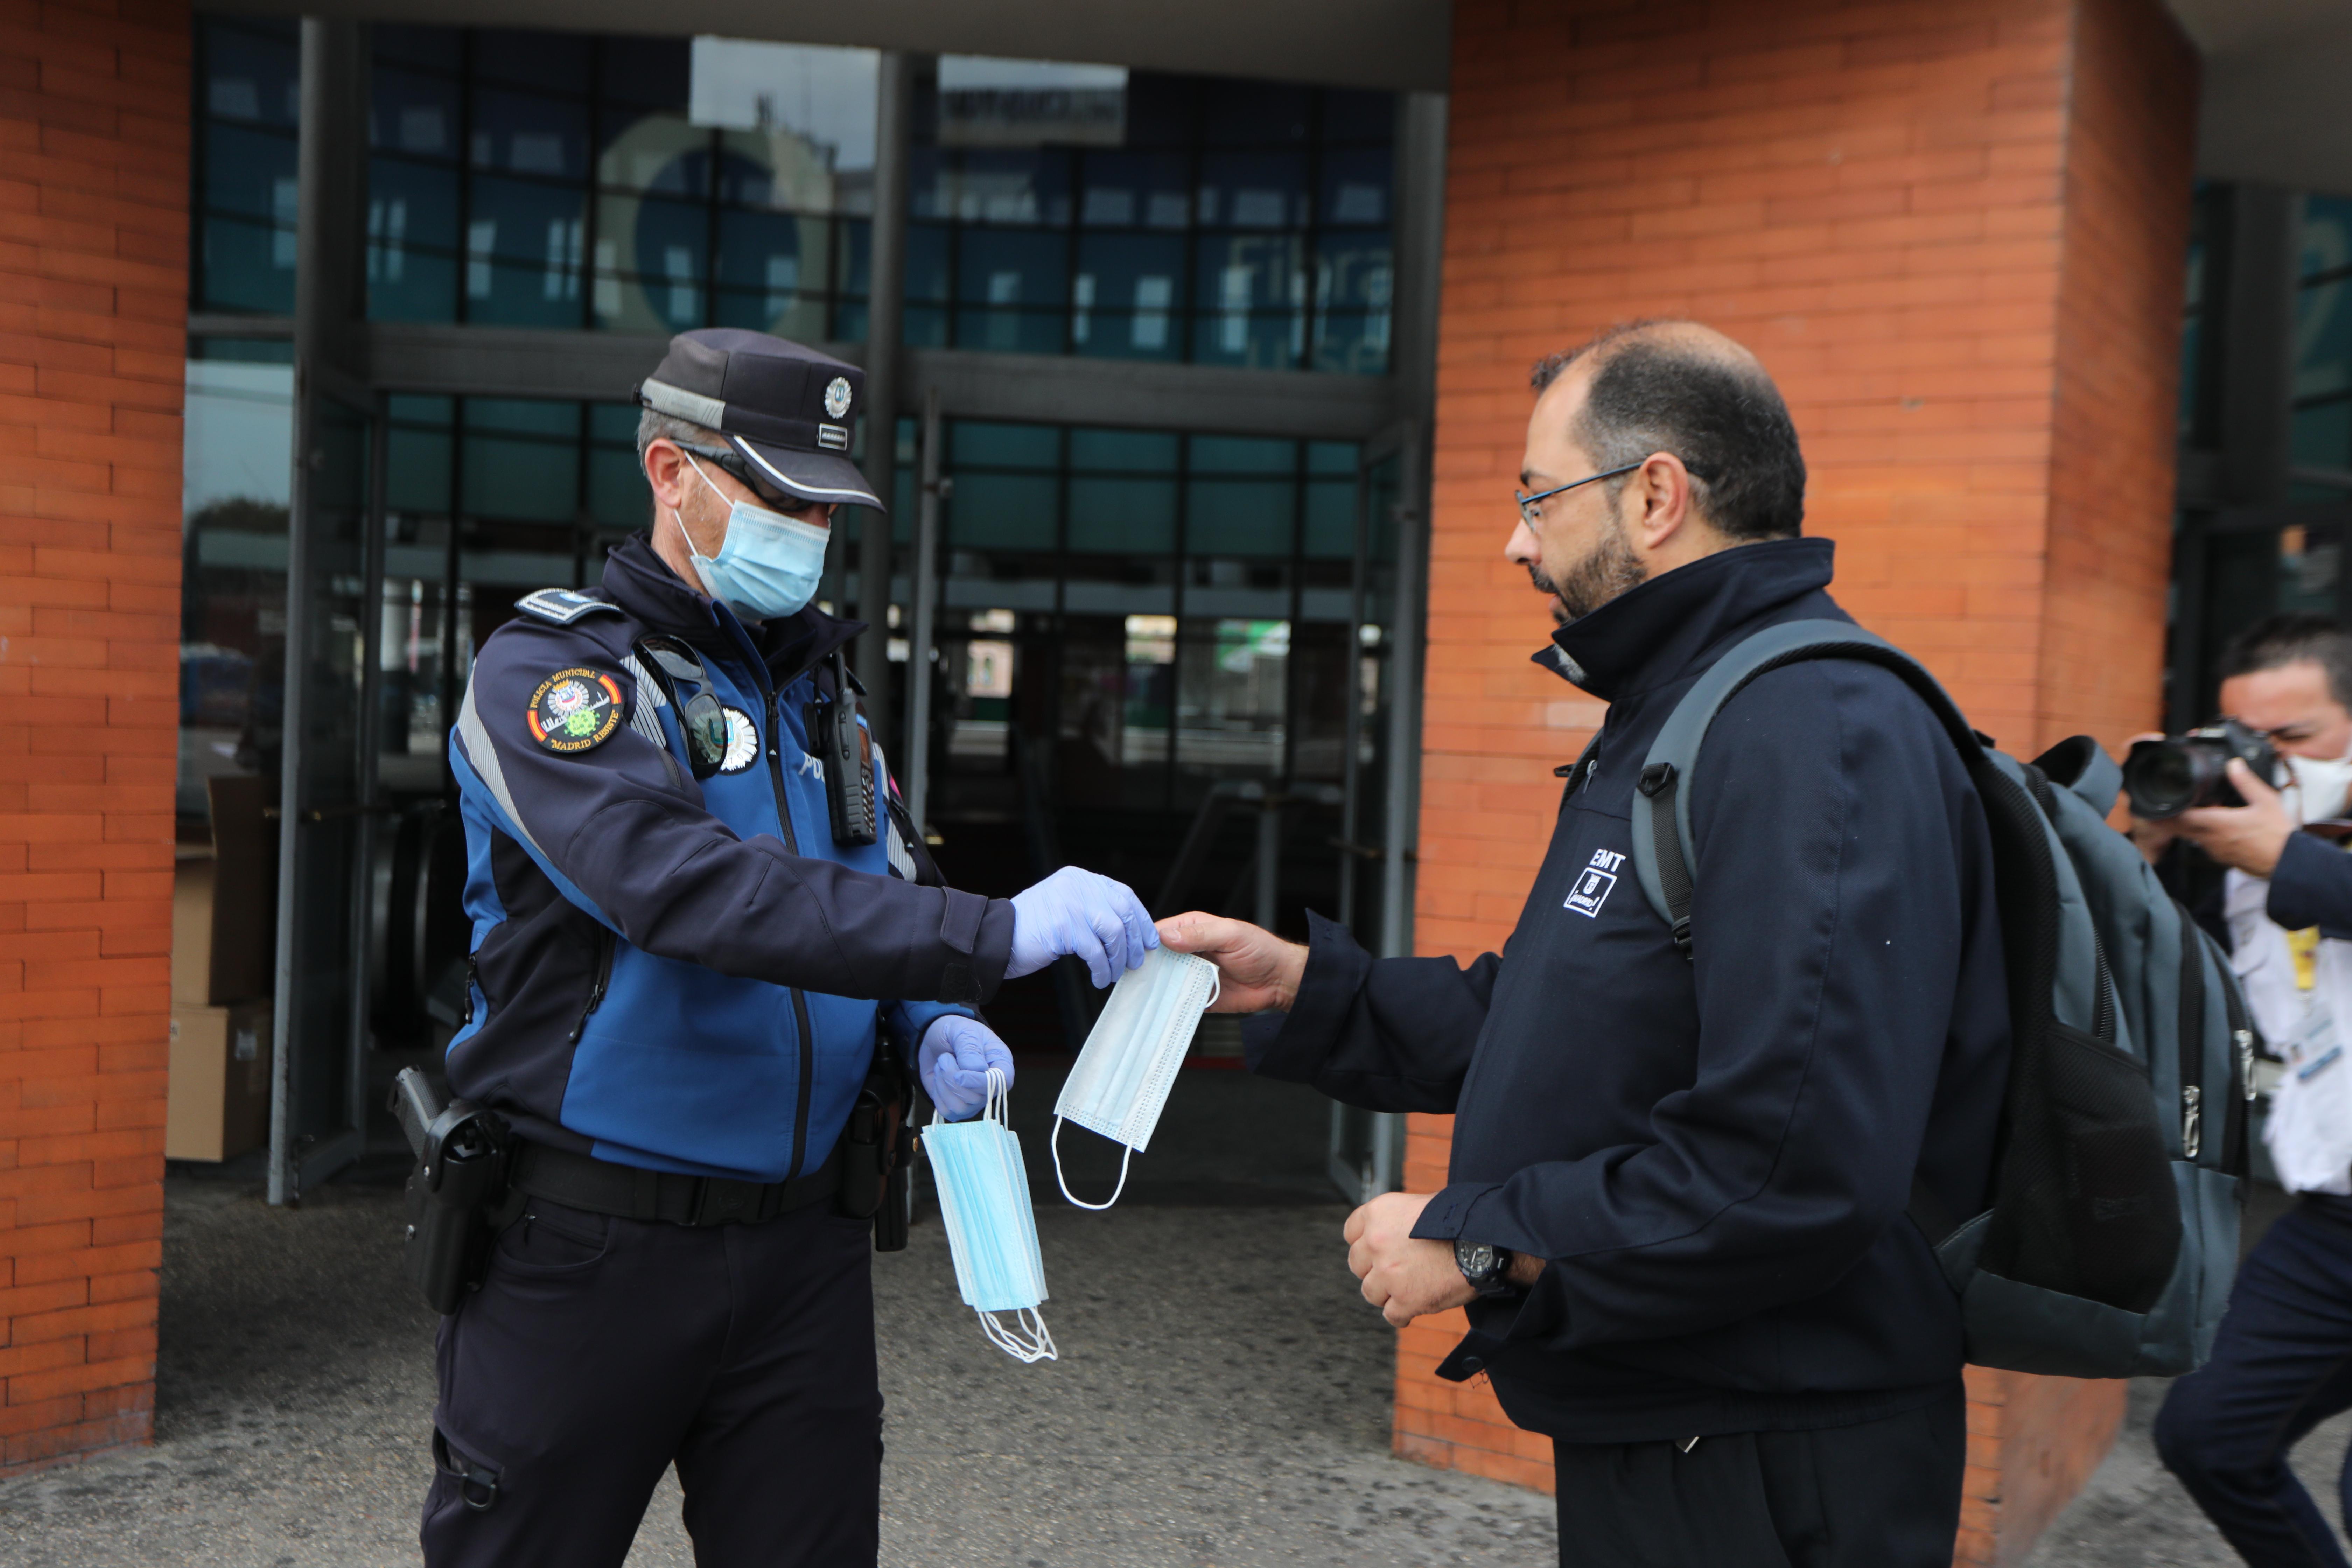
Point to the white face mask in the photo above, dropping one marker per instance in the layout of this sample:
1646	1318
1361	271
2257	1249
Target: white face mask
1122	1078
2320	785
983	1191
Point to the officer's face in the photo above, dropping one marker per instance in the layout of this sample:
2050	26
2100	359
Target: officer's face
2292	706
1577	548
703	504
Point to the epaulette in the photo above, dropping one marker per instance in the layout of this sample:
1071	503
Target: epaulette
561	606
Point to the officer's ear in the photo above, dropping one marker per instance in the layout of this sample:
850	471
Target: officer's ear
1657	504
666	474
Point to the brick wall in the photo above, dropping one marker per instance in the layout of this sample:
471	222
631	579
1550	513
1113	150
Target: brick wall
1956	233
93	298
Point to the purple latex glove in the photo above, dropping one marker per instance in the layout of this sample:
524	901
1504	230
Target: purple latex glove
953	1062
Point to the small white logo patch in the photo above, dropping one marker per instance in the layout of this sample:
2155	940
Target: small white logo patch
1593	883
837	396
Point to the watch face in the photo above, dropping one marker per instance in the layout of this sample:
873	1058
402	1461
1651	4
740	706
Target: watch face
1476	1259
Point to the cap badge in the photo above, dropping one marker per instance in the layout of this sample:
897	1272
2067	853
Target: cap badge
836	398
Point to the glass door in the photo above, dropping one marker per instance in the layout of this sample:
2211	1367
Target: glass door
333	577
1367	1155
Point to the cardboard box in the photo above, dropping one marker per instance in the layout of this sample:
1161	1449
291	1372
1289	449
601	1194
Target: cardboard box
218	1104
225	904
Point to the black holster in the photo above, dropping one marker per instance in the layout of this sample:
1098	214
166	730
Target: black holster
457	1195
877	1151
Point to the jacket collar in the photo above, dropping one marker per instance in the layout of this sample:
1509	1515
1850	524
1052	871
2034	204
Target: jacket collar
642	583
1657	632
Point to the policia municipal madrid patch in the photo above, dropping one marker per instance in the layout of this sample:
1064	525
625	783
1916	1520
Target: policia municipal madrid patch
575	710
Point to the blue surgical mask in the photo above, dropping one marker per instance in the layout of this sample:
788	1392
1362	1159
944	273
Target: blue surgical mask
983	1191
769	564
1122	1078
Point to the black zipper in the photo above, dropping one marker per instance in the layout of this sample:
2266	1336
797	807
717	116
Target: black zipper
792	845
601	981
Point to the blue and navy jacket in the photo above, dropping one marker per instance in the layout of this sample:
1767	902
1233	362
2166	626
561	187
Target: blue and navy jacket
678	974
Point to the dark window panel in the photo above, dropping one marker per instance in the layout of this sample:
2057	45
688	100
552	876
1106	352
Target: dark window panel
1161	109
1330	525
1003	511
527	134
929	270
1242	517
1024	186
655	73
1114	515
772	270
523	261
243	270
412	113
659	153
521	458
1253	114
418	451
557	61
1127	296
251	174
1134	190
1254	190
982	444
1122	451
1352	115
1331	458
253	71
1011	291
412	249
926	326
650	264
437	48
1249	294
1241	455
1356	186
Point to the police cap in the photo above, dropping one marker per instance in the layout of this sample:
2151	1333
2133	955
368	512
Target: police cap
786	409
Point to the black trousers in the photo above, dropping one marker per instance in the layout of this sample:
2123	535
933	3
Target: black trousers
2282	1364
1882	1494
600	1350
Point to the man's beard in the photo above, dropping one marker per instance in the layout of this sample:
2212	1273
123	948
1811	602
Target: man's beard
1608	569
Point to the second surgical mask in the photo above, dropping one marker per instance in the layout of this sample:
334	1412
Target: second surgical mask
983	1191
1122	1078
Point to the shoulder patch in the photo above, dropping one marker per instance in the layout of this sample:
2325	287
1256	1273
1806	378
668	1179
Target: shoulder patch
561	606
575	710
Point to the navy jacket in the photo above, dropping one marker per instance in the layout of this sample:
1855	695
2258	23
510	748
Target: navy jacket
2311	886
676	974
1714	1154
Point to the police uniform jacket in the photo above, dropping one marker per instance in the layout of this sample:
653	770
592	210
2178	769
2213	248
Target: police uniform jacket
680	974
1714	1154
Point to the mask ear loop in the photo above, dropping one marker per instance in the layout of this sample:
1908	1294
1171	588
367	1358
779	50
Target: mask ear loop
1216	988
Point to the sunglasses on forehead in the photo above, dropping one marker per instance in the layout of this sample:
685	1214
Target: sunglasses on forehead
732	463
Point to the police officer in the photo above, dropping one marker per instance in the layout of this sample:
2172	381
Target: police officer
695	928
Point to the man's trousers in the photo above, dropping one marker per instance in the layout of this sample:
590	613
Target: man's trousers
2282	1364
1879	1494
599	1350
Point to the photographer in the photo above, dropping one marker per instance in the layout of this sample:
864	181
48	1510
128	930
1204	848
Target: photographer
2282	1361
1675	1205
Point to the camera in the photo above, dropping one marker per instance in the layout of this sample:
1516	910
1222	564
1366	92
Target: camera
2164	778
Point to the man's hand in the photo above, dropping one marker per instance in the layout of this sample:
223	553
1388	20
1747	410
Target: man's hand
2250	836
1256	970
1403	1276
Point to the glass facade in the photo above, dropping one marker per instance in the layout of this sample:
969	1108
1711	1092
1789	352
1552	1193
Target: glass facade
1205	220
652	185
2322	351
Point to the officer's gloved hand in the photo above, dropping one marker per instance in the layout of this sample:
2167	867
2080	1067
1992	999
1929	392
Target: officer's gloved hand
1089	917
953	1061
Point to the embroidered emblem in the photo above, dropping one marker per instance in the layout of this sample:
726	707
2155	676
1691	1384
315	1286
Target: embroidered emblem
1594	882
742	743
575	710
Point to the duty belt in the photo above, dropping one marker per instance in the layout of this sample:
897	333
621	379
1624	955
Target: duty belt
632	1191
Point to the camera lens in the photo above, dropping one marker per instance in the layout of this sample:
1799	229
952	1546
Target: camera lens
2162	778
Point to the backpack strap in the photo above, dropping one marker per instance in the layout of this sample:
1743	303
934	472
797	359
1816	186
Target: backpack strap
1663	858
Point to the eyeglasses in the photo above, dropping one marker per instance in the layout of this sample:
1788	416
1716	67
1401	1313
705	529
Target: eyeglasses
1527	503
751	479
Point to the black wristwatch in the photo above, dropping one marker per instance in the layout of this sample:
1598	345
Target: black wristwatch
1486	1267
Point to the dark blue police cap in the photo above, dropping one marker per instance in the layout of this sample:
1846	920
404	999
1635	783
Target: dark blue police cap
788	410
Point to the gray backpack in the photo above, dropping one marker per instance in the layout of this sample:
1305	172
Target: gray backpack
2111	1235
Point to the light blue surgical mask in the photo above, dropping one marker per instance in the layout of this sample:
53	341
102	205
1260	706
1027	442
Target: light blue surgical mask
768	566
1122	1078
992	1232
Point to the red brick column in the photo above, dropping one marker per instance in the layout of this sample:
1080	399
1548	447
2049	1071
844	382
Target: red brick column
93	303
1957	235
